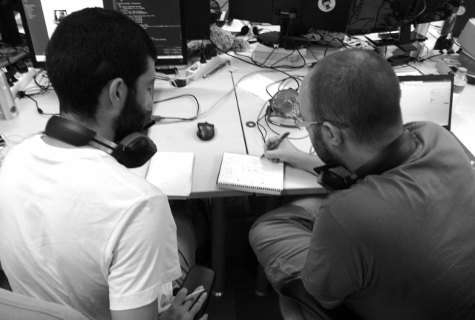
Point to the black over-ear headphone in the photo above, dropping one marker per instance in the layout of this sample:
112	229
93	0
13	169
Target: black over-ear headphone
393	155
133	151
245	31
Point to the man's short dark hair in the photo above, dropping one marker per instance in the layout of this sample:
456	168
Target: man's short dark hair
358	88
89	48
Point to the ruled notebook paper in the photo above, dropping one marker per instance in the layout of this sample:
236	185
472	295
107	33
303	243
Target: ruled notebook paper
251	174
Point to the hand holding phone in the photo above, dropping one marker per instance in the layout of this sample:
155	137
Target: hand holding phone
191	300
199	280
195	294
185	306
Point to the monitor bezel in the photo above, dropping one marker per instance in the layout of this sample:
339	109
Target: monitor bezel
29	41
434	77
158	62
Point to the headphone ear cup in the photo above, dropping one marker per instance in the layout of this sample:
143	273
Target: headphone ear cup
244	31
331	180
134	150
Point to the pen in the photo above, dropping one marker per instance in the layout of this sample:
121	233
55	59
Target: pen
219	67
148	125
276	143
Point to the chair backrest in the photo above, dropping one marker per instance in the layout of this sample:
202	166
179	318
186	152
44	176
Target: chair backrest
14	306
296	291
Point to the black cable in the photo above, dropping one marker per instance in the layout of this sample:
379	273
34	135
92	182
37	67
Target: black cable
259	126
254	63
40	111
415	68
269	55
282	81
430	57
43	88
239	112
160	118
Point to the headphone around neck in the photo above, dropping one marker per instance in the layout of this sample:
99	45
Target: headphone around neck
133	151
390	157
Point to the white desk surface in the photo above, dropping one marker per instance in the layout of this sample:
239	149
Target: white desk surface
225	116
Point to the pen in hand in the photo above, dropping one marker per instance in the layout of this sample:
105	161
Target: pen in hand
275	144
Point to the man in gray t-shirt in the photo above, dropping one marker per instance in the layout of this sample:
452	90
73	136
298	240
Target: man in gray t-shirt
398	241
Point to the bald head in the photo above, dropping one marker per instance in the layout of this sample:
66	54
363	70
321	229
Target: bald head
357	88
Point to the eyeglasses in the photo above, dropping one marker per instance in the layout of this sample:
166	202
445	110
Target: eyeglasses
301	123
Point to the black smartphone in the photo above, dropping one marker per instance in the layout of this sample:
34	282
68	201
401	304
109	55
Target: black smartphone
198	280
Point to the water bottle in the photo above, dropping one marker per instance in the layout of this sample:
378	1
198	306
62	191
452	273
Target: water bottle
460	80
8	109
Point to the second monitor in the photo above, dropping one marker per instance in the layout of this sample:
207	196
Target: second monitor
169	23
298	17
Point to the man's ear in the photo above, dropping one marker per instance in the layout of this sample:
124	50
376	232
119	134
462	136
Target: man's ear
331	134
117	93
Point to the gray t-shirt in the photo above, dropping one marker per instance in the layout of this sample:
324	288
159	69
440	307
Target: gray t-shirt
401	245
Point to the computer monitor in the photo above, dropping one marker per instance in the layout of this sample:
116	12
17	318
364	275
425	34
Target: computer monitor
163	21
197	19
385	16
8	28
356	17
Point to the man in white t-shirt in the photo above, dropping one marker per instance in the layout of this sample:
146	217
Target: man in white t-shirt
77	227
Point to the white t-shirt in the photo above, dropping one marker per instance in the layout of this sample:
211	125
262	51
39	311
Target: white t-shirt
78	228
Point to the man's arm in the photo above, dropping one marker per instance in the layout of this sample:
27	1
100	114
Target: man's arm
148	312
288	153
182	308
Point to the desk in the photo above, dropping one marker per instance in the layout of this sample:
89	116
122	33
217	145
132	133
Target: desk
230	132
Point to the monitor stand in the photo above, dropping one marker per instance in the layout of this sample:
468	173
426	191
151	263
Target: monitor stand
403	39
275	39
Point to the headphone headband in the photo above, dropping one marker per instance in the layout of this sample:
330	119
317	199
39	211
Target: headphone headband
133	151
390	157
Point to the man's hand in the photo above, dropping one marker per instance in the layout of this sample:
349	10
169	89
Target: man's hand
288	153
285	151
183	308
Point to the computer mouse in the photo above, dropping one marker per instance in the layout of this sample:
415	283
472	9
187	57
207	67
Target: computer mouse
205	131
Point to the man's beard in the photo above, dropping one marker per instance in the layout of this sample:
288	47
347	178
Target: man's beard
321	148
132	118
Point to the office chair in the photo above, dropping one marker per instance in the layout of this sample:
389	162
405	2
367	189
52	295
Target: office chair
14	306
295	292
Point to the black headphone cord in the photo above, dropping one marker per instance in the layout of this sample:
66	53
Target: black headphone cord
239	111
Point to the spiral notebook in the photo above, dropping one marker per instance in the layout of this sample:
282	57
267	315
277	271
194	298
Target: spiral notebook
251	174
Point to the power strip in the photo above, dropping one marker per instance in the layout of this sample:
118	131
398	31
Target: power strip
200	70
